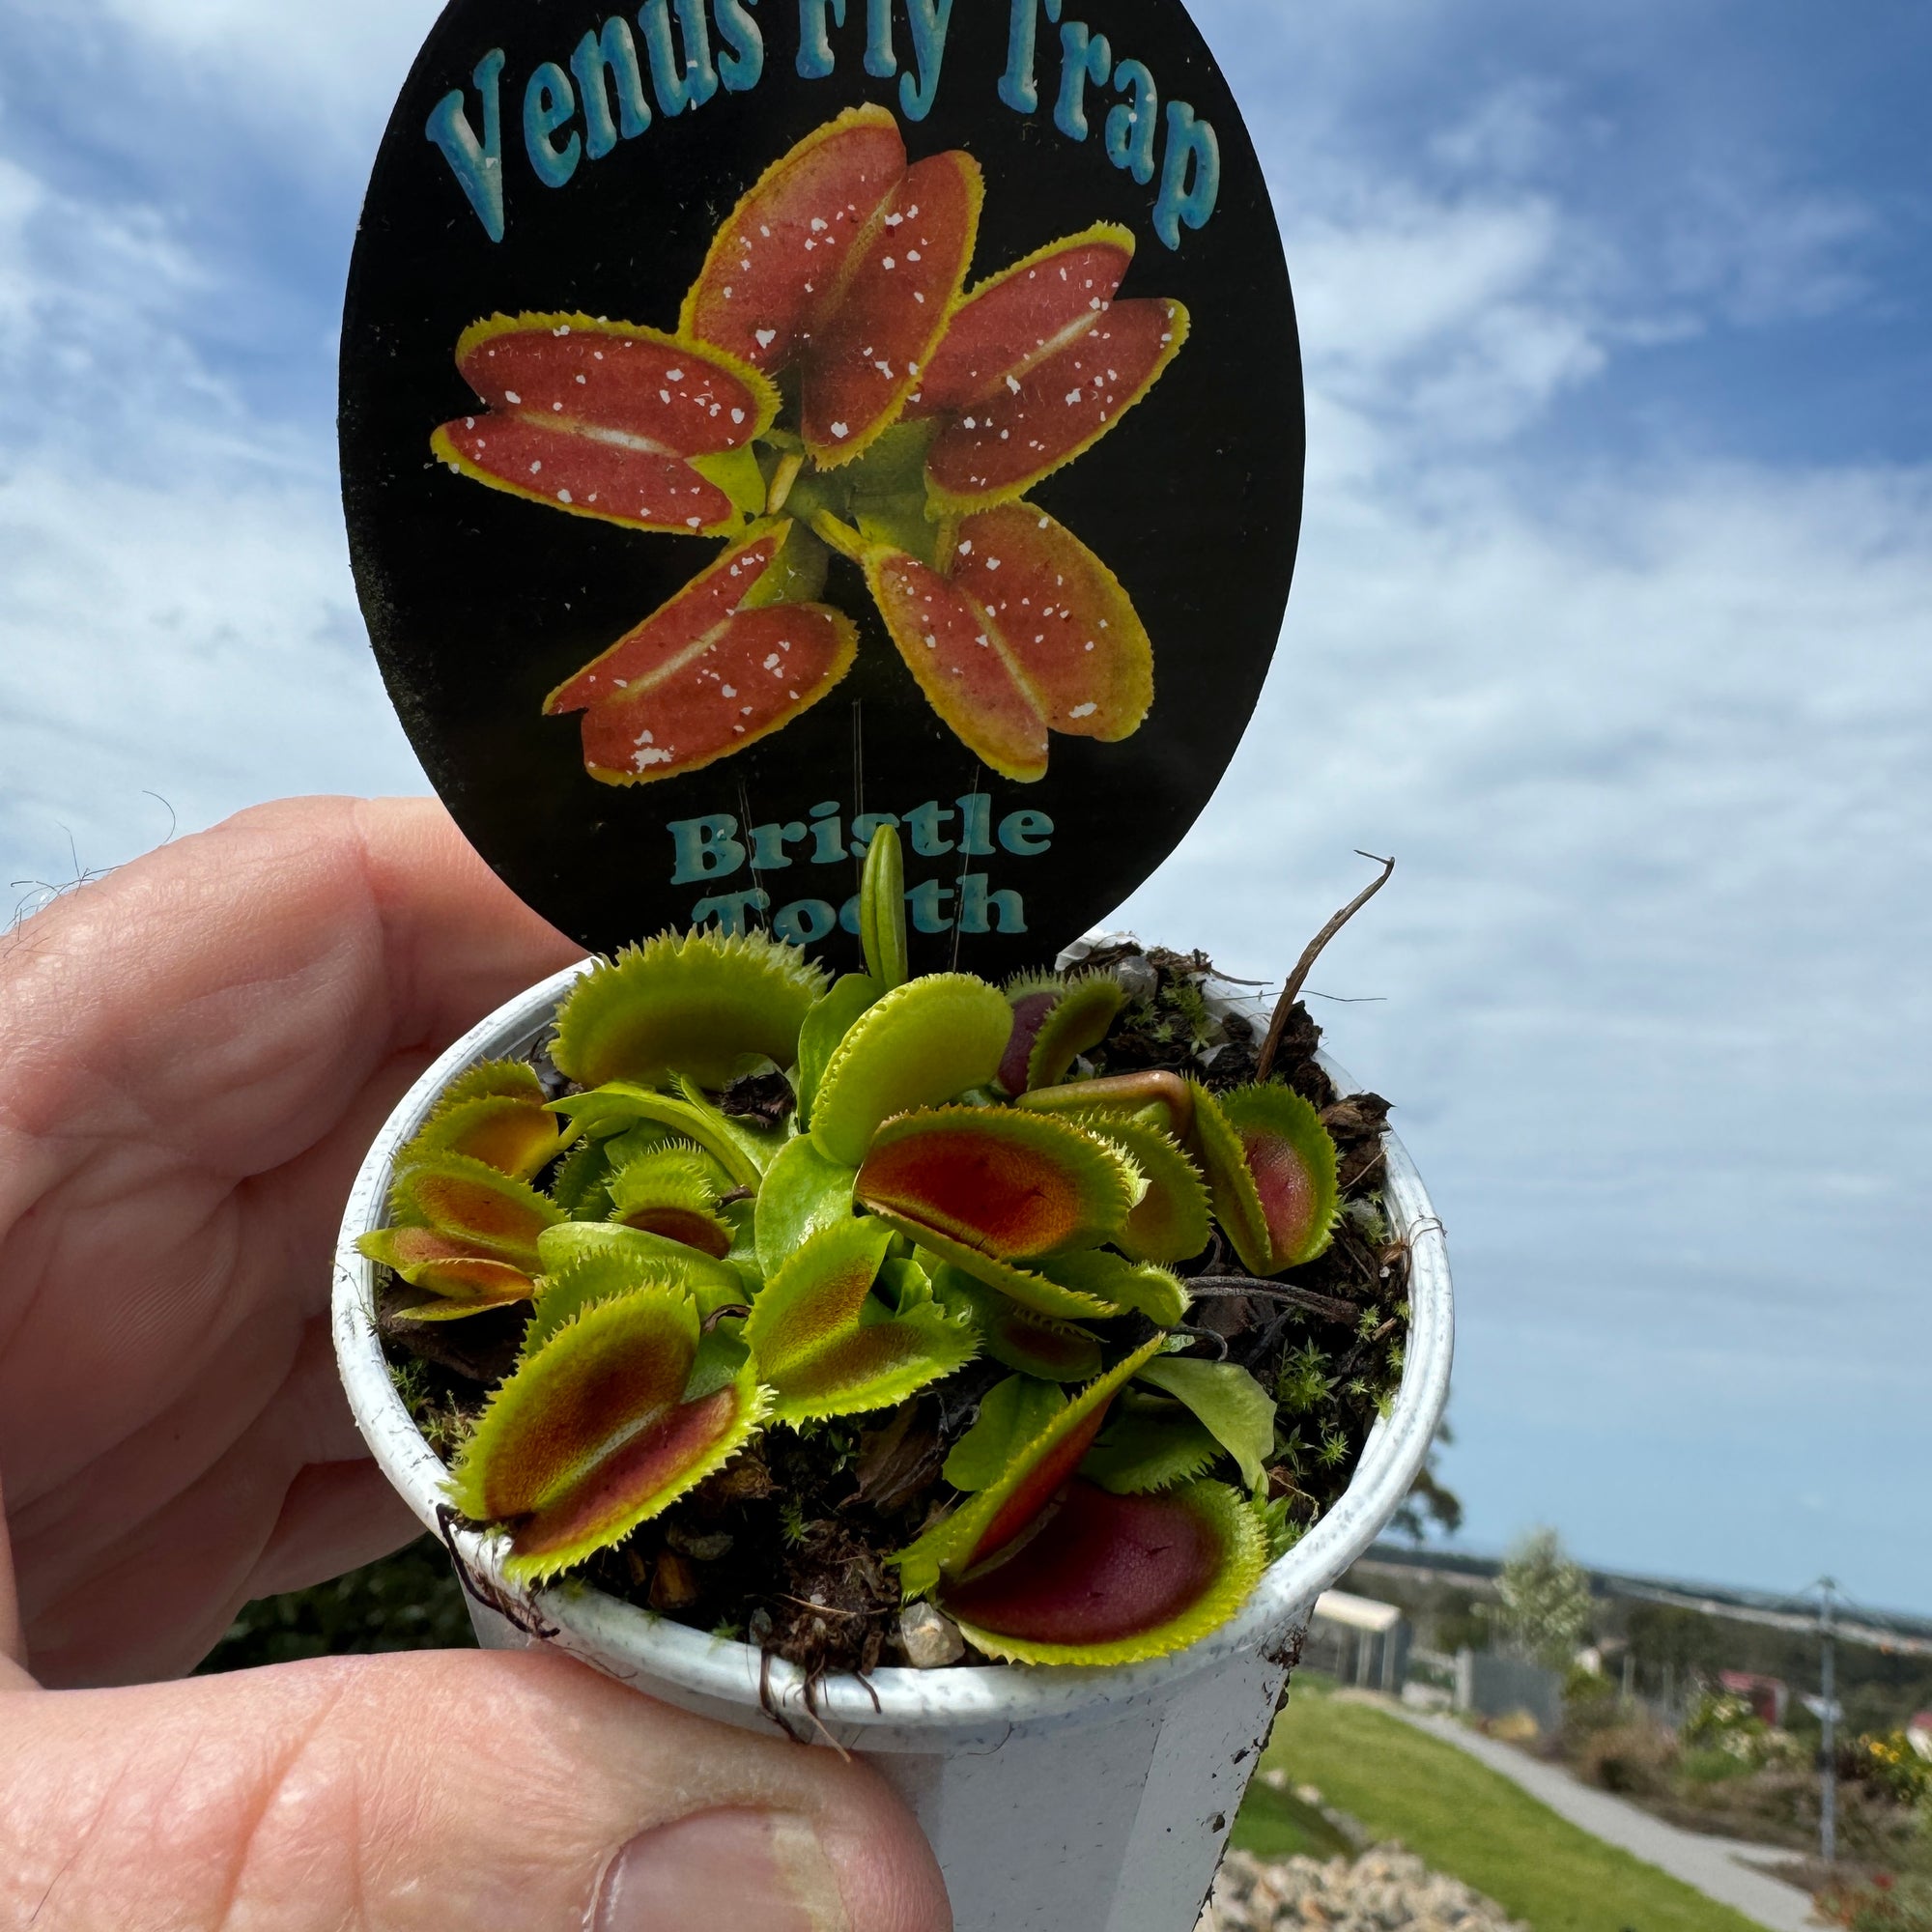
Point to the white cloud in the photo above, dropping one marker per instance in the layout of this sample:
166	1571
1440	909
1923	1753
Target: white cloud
1509	133
199	643
174	587
328	71
1765	251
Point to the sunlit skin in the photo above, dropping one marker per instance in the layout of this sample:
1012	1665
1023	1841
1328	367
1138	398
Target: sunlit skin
194	1054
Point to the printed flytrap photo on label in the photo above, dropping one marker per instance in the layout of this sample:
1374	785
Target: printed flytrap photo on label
765	419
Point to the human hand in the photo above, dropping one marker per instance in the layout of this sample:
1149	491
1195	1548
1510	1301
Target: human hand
195	1055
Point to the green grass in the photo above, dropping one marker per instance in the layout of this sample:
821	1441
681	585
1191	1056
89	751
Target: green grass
1278	1825
1465	1819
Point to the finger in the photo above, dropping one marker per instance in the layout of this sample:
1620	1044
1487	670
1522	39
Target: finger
496	1792
279	1408
12	1639
228	996
337	1517
114	1596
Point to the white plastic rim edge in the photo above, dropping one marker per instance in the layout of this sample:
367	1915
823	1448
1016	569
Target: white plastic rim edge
903	1709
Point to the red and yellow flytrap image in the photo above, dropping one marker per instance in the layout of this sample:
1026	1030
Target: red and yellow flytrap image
833	386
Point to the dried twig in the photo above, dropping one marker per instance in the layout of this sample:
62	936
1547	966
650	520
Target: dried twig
1235	1286
1284	1007
520	1617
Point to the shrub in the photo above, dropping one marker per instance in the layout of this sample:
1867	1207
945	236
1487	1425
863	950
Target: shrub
1721	1726
1889	1765
1884	1905
1634	1758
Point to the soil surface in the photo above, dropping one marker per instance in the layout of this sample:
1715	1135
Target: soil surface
785	1548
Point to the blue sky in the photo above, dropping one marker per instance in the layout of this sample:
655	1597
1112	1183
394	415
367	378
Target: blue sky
1613	623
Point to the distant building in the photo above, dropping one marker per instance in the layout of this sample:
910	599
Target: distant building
1768	1696
1359	1640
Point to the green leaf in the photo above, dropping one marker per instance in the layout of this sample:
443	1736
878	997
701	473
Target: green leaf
1279	1529
591	1276
591	1437
493	1212
1163	1099
721	1358
1119	1578
493	1112
826	1346
1020	1286
802	1194
1018	1339
756	1144
461	1278
1238	1205
903	524
1292	1165
652	1148
887	496
1160	1295
797	573
828	1022
906	1284
736	472
982	1527
620	1105
715	1284
582	1186
1054	1020
1149	1447
1013	1413
1016	1187
918	1046
671	1192
1229	1402
1170	1222
882	913
491	1080
702	1005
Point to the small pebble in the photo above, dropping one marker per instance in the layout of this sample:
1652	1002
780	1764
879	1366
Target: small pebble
930	1639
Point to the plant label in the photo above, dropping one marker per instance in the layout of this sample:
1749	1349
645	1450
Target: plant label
761	423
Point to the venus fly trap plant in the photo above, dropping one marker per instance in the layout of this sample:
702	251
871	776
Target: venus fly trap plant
902	1235
832	390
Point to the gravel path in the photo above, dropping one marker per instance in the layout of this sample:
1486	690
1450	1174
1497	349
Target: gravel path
1386	1889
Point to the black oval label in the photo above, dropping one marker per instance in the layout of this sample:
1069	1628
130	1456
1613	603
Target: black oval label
761	421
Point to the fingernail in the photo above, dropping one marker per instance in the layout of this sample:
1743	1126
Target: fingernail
724	1871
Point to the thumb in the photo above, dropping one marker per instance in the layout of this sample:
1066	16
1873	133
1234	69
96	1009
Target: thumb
511	1791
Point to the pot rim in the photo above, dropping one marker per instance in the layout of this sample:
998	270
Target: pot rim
708	1667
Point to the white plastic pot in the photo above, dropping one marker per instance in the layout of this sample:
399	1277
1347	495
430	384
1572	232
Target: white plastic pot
1058	1798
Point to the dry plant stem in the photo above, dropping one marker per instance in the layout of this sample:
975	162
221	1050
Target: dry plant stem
1233	1286
1291	992
524	1622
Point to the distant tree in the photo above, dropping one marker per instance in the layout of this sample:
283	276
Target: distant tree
1430	1506
1546	1600
1690	1644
